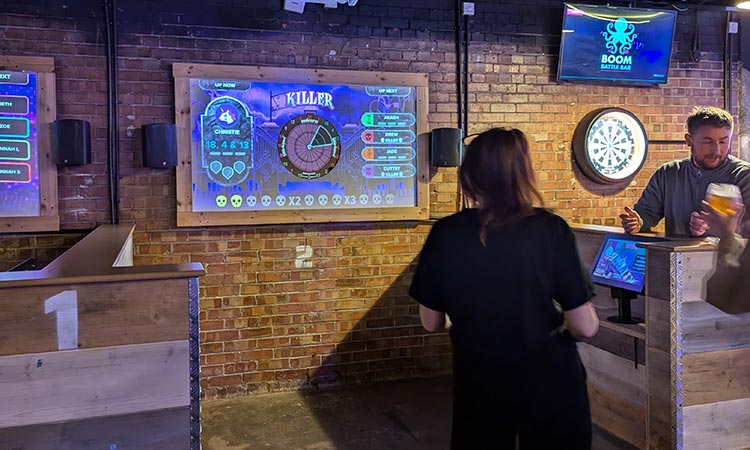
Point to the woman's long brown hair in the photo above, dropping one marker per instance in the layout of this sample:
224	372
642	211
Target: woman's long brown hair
496	174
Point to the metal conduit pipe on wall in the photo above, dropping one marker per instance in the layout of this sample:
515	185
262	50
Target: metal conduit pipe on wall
113	146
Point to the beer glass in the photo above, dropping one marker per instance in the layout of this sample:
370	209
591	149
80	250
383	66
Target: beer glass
725	198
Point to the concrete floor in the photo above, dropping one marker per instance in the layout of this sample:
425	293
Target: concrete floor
404	415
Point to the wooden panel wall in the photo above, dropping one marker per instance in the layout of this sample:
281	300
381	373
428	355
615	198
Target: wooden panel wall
616	393
706	354
98	361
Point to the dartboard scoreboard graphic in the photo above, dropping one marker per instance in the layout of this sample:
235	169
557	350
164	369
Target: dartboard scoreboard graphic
309	146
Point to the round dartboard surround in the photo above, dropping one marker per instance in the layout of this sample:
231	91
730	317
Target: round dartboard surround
610	145
309	146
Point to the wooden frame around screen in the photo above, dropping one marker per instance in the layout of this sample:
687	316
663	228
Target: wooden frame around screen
48	218
186	217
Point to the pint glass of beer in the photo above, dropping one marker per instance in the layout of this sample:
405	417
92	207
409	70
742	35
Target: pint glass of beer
725	198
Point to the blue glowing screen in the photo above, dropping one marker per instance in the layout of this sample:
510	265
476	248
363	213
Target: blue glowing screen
19	169
620	263
615	44
289	146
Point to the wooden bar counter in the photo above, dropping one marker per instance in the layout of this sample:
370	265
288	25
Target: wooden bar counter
98	353
681	380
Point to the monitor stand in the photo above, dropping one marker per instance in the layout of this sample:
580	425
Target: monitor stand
623	297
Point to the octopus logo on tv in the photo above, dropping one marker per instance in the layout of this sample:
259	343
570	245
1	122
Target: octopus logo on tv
619	37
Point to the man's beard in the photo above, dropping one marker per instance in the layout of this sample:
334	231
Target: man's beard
703	164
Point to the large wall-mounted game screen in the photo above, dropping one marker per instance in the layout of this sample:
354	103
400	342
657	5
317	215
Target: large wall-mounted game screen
28	174
282	146
19	171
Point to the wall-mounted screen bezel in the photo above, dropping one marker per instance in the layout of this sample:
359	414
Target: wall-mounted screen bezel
609	44
370	126
620	262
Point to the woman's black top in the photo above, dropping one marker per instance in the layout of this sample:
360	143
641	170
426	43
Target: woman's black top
500	296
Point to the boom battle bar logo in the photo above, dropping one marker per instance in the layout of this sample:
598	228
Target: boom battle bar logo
619	37
294	99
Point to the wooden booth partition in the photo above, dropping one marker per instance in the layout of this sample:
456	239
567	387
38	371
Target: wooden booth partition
681	379
97	353
699	382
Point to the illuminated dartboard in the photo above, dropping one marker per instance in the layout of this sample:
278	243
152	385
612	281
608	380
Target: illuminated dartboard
610	145
309	146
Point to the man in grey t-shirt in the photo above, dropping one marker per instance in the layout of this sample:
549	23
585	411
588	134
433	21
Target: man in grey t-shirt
677	188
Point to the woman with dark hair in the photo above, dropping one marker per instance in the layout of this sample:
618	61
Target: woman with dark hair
508	275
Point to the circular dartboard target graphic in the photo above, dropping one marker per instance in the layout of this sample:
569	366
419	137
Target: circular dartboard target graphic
309	146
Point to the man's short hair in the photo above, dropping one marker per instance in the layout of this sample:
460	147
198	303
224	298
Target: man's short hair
711	116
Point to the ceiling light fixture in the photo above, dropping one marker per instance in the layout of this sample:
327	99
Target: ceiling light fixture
743	5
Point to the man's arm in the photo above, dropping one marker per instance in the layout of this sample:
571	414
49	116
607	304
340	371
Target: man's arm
650	207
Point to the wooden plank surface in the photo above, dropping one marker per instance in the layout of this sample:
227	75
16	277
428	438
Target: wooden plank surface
705	328
623	345
298	75
717	426
166	429
70	385
107	315
660	424
658	324
184	168
659	374
637	330
658	284
46	115
423	142
696	268
95	253
715	376
620	417
33	63
612	373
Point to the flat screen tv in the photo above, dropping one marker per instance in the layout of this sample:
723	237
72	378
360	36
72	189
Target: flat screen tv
620	263
627	45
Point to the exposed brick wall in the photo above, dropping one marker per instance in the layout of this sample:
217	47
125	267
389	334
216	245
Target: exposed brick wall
266	324
42	248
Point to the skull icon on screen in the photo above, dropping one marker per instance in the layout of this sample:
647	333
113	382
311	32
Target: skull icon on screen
265	200
309	200
363	199
336	199
251	200
236	200
323	199
280	200
221	200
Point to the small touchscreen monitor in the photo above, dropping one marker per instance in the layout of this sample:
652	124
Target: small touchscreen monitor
620	262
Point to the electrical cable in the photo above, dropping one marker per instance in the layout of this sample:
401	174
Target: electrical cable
113	160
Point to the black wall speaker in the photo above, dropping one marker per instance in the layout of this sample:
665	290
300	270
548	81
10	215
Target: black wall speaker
71	142
159	145
445	150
